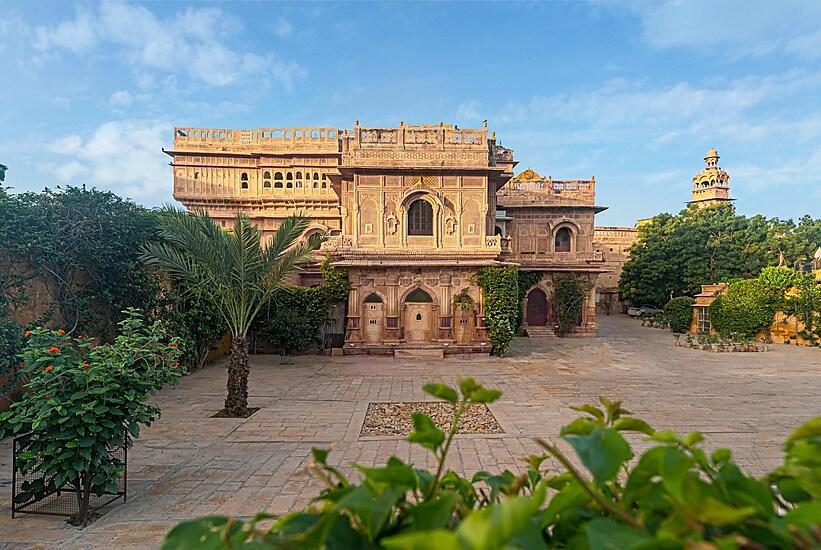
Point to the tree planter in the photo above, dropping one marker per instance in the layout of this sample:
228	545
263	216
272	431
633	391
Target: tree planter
30	492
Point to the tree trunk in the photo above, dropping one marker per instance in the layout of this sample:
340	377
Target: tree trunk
236	402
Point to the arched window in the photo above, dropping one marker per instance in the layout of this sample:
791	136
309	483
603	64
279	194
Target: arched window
244	179
563	236
373	299
419	296
497	231
324	181
420	218
266	184
266	175
278	180
290	182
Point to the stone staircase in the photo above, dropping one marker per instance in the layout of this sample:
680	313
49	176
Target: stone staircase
540	332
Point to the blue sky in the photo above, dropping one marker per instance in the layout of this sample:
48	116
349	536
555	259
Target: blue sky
631	92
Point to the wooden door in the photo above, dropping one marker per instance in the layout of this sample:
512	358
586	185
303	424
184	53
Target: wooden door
537	308
418	322
374	322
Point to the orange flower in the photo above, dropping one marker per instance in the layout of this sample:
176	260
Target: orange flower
86	366
61	332
177	364
54	349
174	344
28	333
48	369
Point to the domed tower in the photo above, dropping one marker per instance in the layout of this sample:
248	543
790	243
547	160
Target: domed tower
711	185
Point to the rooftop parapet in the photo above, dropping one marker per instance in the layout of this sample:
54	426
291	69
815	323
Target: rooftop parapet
321	140
439	145
530	186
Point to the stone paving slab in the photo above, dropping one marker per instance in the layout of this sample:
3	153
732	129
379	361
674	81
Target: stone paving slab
188	464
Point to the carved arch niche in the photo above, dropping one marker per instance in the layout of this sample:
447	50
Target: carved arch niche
472	223
369	221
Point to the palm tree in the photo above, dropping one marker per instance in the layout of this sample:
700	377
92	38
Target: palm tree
233	270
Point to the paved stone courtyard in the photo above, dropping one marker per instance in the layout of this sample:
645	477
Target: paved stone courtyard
189	464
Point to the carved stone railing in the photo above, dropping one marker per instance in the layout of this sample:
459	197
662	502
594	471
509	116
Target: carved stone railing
260	139
494	242
560	258
440	136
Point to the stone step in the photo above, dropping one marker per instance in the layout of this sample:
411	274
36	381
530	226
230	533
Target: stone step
540	332
427	353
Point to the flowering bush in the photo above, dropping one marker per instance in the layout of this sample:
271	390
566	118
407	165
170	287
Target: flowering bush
82	401
674	496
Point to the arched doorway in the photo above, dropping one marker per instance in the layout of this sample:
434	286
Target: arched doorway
418	316
537	307
374	319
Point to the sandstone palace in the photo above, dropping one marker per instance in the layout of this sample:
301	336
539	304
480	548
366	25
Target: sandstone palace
411	213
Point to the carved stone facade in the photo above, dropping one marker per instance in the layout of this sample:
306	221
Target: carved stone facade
547	226
411	213
613	243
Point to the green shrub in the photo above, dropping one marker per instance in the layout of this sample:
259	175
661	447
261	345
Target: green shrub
806	306
82	401
10	344
292	318
746	308
679	313
191	316
463	300
525	280
570	295
674	495
502	308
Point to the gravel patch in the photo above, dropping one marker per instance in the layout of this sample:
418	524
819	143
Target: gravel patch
391	419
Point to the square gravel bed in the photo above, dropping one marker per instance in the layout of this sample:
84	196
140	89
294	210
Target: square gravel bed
394	419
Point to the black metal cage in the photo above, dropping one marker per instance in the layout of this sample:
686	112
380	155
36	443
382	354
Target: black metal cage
62	501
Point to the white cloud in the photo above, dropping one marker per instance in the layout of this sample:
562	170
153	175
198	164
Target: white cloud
124	156
193	42
469	112
67	145
120	99
77	35
282	28
70	172
666	113
753	27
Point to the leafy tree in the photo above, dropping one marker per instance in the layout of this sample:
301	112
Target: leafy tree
675	495
778	279
81	246
83	401
679	313
675	255
237	273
